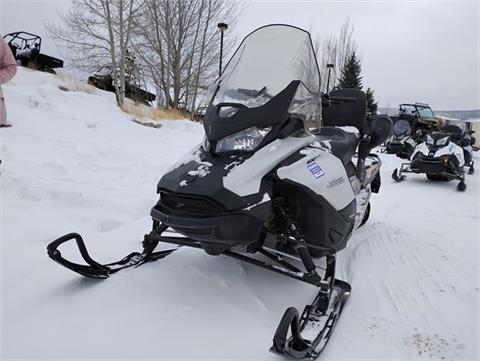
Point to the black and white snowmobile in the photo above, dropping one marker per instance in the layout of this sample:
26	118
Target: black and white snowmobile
463	137
439	157
261	183
401	143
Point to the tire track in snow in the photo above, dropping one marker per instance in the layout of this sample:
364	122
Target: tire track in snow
410	284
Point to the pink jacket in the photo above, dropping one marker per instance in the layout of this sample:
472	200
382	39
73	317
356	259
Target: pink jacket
8	66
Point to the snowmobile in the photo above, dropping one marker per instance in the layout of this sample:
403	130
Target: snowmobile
463	137
439	157
265	190
401	143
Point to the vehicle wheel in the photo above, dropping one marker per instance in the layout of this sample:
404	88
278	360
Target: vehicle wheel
461	187
365	216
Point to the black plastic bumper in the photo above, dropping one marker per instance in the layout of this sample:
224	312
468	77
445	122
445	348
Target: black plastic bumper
431	166
229	228
394	148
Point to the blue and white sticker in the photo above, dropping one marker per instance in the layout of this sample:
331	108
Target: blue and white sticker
315	169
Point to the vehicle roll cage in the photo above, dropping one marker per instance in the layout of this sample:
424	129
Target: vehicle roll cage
25	37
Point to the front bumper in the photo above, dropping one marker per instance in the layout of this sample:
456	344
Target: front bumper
431	165
209	225
394	148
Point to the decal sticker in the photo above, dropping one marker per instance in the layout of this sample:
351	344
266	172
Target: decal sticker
336	182
315	169
201	171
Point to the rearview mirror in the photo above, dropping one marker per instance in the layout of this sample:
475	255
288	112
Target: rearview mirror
380	129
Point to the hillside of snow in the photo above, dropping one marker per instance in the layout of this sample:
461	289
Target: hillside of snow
74	162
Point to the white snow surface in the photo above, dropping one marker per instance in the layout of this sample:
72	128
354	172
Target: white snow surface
74	162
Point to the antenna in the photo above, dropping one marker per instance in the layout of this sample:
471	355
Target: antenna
329	67
222	27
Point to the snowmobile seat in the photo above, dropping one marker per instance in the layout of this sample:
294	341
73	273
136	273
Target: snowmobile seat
342	143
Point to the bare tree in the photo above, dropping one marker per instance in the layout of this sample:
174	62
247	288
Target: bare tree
336	49
98	32
180	45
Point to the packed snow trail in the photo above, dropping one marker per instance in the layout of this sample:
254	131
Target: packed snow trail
73	162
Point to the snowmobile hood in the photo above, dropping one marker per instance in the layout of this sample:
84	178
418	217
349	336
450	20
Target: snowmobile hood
202	176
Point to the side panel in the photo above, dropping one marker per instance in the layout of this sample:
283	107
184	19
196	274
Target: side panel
245	179
454	149
316	184
320	223
421	148
324	174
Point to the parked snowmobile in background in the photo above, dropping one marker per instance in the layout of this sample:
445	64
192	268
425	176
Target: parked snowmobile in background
463	137
439	157
401	143
261	183
26	50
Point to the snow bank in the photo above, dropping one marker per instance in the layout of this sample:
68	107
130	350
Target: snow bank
73	162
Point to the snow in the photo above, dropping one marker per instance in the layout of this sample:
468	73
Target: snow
73	162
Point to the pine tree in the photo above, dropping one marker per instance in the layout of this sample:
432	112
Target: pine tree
372	106
351	74
352	78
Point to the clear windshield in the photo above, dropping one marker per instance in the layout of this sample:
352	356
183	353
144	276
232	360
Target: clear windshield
265	63
425	112
406	109
401	127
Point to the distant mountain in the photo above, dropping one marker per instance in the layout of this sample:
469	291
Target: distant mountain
457	114
460	114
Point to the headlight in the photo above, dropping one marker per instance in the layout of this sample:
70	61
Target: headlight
442	141
429	140
246	140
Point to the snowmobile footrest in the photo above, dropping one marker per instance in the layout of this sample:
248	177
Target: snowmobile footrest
94	269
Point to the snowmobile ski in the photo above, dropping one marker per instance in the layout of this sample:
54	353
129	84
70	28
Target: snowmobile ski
317	320
94	269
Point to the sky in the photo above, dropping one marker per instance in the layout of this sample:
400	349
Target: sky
425	51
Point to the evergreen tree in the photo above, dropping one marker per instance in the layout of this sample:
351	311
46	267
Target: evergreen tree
351	74
352	78
372	106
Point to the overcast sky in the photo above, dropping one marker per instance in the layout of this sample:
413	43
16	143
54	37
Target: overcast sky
410	51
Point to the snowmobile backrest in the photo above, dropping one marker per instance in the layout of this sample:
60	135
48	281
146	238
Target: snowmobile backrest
452	129
346	114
